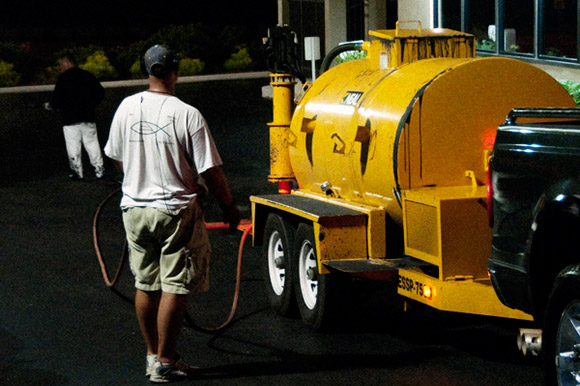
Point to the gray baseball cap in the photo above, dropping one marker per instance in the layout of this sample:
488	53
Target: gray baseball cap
160	60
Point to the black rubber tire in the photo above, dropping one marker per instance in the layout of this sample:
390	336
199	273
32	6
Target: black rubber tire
316	311
278	243
565	298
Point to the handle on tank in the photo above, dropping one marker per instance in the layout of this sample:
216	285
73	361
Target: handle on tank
541	113
407	21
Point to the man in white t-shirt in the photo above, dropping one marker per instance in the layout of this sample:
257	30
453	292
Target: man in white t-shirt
163	146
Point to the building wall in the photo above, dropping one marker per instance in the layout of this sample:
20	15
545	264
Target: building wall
335	26
376	18
377	14
421	10
561	73
283	12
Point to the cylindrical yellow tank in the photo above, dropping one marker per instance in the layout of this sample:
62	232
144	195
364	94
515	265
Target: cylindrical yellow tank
369	132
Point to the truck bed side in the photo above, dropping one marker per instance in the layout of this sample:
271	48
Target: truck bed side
535	178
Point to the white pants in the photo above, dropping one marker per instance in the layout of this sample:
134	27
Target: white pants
79	135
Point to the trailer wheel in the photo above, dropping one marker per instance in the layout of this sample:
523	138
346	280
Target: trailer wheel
562	330
276	256
314	292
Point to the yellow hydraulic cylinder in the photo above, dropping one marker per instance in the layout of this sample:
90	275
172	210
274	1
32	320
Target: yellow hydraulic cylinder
283	106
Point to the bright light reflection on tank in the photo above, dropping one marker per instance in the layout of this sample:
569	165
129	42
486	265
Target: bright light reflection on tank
379	197
334	109
380	115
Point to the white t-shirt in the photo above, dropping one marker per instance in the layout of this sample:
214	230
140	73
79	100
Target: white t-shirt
163	144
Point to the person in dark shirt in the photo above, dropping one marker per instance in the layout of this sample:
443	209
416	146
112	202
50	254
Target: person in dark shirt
76	95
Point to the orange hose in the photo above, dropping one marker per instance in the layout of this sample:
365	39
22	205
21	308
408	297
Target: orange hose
244	225
234	308
108	282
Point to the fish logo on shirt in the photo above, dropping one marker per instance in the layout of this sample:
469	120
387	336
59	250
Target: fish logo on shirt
149	128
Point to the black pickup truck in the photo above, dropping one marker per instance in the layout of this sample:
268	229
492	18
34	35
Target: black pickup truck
535	211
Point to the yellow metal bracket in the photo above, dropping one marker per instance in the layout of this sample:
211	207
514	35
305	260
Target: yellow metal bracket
486	159
305	87
471	175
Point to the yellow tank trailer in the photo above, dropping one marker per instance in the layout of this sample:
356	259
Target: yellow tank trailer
390	157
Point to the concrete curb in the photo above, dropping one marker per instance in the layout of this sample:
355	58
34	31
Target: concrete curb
144	82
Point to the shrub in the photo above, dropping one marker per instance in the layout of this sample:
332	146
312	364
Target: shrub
87	58
191	40
49	75
188	66
8	76
573	89
350	55
25	63
124	57
80	54
239	61
135	71
12	52
553	51
487	45
98	65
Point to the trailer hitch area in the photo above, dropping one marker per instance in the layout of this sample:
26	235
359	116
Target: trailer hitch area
530	341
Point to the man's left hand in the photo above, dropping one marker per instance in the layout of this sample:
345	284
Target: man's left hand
232	217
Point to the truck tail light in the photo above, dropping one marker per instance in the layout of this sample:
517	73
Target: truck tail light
489	196
489	137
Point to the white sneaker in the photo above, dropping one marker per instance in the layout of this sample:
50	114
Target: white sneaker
151	364
176	371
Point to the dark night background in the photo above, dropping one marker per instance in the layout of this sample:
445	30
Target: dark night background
50	25
29	17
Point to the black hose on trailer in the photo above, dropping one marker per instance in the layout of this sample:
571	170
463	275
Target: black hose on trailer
349	46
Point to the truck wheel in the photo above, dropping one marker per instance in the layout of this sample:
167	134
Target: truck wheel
276	256
562	330
314	292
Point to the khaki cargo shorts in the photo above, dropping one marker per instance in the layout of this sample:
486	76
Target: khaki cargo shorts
168	250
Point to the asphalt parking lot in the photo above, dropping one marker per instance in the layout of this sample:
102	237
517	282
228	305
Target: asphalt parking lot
59	322
61	325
